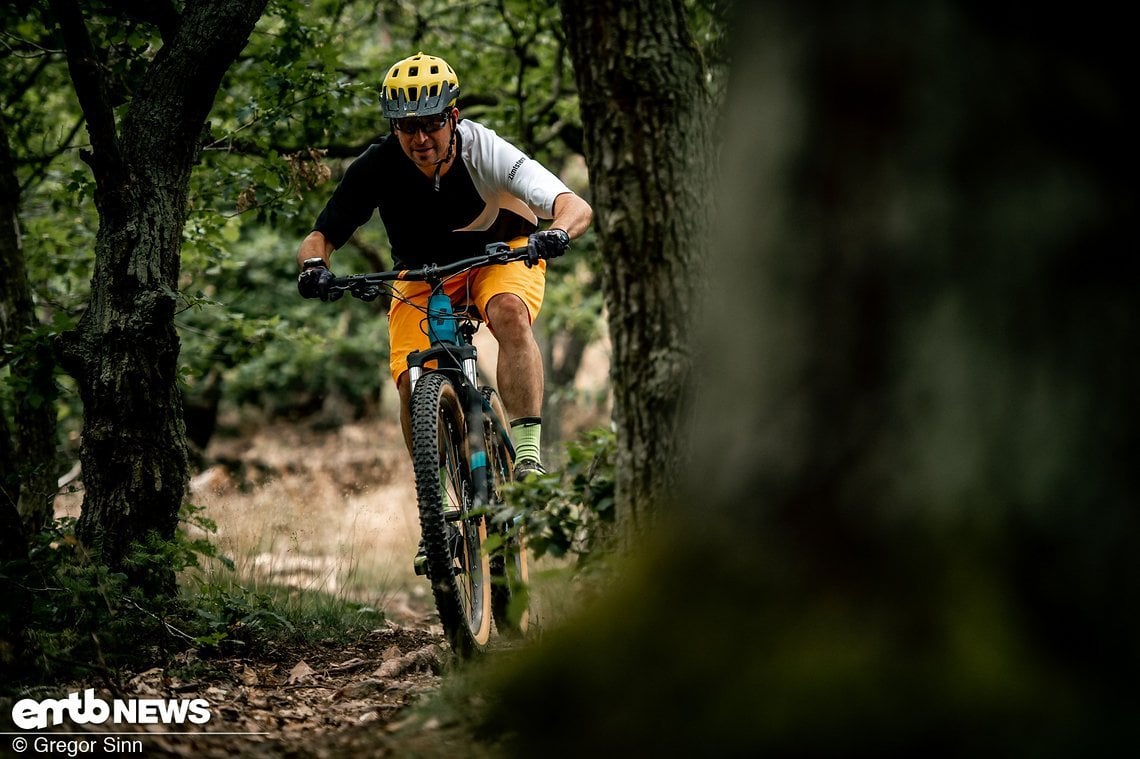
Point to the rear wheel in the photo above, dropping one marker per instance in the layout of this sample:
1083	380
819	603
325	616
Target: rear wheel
509	572
453	536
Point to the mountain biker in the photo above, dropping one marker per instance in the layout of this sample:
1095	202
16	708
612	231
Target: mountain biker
445	188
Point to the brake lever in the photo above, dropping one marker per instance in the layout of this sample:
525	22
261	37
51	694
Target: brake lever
367	294
498	253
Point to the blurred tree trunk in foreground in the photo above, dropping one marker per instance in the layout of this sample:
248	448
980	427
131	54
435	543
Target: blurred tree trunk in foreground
647	115
124	353
912	520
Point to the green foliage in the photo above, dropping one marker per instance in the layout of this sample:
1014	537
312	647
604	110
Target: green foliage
299	103
241	617
16	384
271	349
573	300
570	512
73	613
76	617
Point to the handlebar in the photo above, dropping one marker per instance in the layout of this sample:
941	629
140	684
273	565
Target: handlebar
367	286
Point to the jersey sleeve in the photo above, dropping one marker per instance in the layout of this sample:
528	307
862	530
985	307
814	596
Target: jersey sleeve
353	201
502	166
535	185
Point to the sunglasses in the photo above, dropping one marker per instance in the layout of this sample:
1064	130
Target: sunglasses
425	124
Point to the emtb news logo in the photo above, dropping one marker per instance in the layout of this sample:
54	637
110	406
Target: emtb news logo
30	714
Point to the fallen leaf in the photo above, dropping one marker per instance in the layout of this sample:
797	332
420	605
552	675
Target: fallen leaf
300	671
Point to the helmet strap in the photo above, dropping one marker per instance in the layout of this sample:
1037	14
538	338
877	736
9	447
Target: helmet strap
450	150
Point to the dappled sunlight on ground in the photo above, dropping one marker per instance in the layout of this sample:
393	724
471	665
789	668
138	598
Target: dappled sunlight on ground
330	510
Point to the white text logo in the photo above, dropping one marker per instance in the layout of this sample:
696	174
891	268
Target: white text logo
30	714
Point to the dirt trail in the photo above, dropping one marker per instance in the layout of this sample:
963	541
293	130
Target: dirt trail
307	701
319	508
330	510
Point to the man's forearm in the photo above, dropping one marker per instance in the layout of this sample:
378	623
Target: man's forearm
314	246
571	214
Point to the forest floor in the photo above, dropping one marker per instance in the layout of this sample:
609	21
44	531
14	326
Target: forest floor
303	511
330	512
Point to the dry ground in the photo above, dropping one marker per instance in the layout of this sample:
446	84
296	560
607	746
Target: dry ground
326	510
331	510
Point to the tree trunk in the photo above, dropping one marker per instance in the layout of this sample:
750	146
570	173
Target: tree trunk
647	115
124	353
925	535
27	451
559	391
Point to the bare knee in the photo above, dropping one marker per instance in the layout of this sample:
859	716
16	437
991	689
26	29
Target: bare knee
508	317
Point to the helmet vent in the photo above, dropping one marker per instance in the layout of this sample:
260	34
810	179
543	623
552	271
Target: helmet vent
435	69
413	71
413	93
395	72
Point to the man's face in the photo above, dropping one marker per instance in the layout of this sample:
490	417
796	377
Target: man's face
425	139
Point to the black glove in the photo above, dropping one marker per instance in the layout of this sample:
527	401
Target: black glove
314	281
549	243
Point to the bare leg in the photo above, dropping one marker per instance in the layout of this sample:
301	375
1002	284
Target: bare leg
519	373
404	385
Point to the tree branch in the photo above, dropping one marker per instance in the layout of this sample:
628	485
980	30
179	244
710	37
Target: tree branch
346	149
556	85
19	89
161	13
41	165
178	90
90	88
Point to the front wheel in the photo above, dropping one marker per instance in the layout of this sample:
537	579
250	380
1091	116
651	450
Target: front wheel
453	536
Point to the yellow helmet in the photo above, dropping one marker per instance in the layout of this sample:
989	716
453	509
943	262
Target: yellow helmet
421	85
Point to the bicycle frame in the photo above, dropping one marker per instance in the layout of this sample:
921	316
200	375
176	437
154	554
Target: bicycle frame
453	352
450	348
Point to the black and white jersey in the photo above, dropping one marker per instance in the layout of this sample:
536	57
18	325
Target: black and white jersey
492	192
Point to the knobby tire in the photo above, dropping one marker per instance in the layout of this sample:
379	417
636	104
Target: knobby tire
457	565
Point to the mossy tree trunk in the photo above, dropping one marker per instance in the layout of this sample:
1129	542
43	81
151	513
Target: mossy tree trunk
124	353
647	115
925	532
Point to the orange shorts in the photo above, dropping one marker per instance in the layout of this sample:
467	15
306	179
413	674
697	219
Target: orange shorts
407	323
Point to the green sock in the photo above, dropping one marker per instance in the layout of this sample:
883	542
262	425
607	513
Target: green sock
526	433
